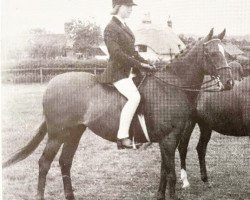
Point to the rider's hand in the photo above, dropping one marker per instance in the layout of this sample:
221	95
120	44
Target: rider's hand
151	67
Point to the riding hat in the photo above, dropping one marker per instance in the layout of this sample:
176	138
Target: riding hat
117	4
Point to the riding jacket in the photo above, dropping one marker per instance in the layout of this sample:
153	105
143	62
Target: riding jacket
120	42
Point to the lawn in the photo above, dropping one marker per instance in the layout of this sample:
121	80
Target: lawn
102	172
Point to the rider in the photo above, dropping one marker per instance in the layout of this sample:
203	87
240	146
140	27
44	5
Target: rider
123	65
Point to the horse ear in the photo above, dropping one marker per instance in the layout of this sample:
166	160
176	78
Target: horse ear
209	36
222	34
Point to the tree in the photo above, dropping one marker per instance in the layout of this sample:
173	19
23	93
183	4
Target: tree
183	38
188	41
37	31
44	45
85	35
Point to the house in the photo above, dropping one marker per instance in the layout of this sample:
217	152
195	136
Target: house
232	51
103	53
246	50
157	43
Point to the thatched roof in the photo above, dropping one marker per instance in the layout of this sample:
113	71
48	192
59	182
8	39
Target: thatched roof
232	50
161	39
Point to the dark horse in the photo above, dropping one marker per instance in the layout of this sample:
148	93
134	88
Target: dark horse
74	101
237	71
226	112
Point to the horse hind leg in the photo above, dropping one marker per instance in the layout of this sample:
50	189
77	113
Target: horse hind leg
201	150
49	153
66	158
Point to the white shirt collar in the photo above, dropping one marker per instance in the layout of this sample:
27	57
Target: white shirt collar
120	19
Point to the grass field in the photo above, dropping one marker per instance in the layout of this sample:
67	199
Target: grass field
102	172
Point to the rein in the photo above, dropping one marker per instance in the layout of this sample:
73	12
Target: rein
184	88
216	77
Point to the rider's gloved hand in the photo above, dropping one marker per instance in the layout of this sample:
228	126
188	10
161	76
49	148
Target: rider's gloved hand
148	66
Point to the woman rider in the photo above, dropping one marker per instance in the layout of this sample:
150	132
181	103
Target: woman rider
123	64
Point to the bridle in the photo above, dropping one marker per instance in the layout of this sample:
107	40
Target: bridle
215	77
207	56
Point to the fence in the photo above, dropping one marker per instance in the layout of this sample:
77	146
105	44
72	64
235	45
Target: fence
41	74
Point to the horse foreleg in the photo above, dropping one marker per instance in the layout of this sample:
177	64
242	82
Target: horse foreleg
201	150
182	148
66	158
49	153
163	180
168	146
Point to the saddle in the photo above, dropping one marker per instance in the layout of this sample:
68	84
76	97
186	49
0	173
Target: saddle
138	80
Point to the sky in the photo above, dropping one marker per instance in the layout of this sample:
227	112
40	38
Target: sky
190	17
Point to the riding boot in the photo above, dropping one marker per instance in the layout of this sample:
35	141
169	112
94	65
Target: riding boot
124	143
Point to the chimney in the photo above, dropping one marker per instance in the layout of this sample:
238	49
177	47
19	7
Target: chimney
170	24
146	19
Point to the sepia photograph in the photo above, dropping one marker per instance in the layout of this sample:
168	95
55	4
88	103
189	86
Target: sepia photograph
125	100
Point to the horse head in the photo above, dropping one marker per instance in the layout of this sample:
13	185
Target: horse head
211	56
215	61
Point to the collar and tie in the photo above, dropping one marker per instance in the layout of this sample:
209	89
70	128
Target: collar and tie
124	25
121	20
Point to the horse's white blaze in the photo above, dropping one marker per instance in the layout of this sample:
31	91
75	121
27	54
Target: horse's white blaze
184	179
221	49
143	126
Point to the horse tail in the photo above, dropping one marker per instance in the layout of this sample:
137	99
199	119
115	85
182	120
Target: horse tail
29	148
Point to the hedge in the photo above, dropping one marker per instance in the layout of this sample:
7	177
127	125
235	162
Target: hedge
60	63
33	76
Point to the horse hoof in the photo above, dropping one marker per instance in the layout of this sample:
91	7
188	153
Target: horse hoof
160	197
70	197
208	184
174	198
39	197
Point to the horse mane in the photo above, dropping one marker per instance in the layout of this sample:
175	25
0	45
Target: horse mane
185	52
182	61
182	54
